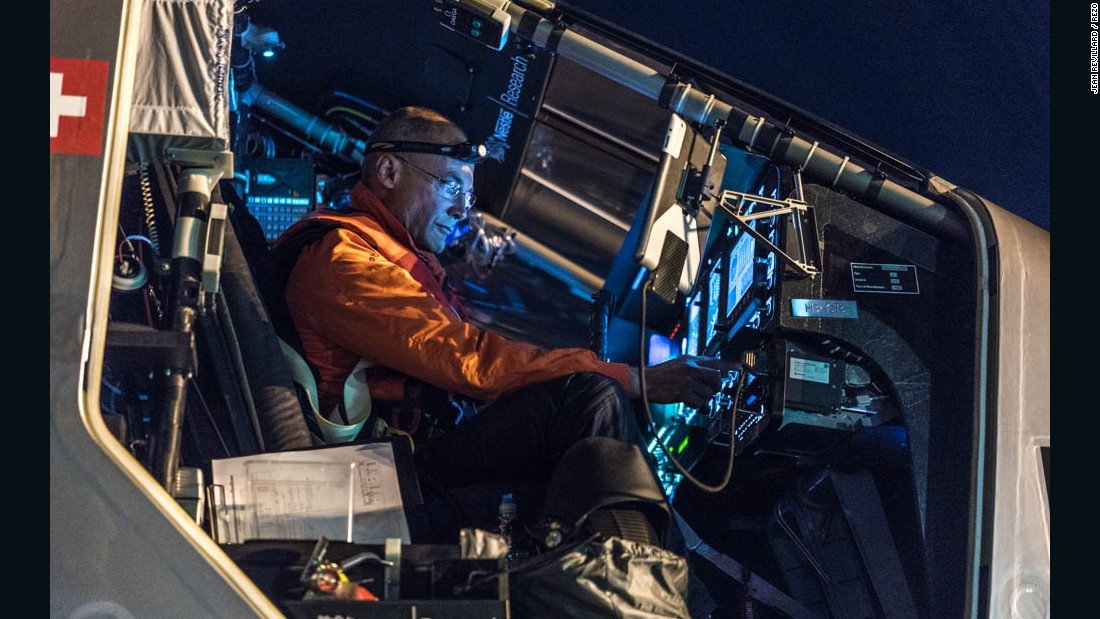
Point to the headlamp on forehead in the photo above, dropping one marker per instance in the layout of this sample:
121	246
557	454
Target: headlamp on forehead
466	151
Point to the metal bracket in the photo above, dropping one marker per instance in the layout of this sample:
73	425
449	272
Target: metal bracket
808	260
200	158
393	568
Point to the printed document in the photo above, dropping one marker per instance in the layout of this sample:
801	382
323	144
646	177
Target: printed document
348	493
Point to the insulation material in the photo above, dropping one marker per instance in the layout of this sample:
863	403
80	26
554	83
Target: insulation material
181	87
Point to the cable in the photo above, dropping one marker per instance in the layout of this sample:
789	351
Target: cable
111	390
148	207
342	109
138	237
650	425
800	545
138	282
350	120
370	106
209	415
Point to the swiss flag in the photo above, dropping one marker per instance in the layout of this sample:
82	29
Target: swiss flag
78	96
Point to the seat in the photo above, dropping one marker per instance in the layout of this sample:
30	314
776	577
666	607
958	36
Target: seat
279	417
341	425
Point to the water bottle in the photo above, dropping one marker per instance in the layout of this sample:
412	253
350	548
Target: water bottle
507	512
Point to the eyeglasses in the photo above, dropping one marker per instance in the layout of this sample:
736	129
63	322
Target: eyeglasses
448	188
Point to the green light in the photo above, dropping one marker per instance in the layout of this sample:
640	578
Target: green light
683	444
476	33
476	23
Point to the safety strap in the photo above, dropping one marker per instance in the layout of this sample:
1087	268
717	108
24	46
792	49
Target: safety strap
337	426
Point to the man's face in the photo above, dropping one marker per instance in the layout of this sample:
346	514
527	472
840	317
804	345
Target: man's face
425	209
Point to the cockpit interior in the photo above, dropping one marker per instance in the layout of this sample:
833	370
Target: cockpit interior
633	202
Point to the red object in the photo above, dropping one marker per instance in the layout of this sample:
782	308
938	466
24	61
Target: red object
364	594
327	581
78	98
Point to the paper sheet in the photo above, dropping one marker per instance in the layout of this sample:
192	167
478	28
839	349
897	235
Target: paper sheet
348	493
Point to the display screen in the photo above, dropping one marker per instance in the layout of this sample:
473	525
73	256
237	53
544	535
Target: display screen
691	344
661	349
714	297
740	270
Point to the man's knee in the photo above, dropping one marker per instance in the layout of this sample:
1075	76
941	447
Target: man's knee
597	384
603	400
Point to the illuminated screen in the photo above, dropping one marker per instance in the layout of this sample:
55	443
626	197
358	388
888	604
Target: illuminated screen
660	349
740	270
714	292
691	345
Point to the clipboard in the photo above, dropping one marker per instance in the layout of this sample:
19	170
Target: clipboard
357	493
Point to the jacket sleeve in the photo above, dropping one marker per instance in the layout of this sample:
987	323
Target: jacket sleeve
348	293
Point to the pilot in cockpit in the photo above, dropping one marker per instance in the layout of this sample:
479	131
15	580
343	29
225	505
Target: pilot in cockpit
367	293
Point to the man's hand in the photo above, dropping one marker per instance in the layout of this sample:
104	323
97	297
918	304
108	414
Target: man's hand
689	379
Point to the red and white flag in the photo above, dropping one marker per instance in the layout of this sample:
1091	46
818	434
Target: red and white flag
78	96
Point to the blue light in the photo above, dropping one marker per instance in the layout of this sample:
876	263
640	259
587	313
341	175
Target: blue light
661	349
268	53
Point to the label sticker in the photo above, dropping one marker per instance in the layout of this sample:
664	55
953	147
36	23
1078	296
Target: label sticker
809	370
885	278
824	308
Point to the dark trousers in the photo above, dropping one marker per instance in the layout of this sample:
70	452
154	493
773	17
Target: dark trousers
512	446
524	434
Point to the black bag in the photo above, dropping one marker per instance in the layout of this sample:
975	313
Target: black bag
602	576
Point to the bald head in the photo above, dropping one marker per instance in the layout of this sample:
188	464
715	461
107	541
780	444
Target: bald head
411	124
419	188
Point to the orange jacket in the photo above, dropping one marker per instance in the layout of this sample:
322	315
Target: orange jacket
364	291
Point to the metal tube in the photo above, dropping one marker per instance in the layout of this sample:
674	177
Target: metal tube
168	437
330	137
705	109
192	205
